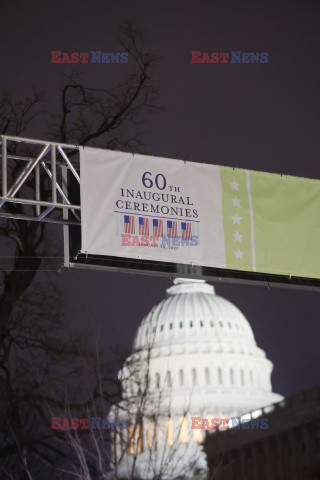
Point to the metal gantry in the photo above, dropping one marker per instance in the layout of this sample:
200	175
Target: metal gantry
23	178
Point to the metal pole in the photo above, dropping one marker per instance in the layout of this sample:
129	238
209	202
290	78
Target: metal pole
27	201
54	173
4	167
39	142
69	164
65	216
24	175
37	172
63	195
48	171
44	213
35	219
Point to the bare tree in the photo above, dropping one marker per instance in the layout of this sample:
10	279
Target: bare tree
105	117
154	443
35	358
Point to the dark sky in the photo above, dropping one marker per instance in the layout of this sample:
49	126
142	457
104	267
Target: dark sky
256	116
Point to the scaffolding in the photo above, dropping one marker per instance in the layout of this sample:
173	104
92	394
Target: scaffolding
43	176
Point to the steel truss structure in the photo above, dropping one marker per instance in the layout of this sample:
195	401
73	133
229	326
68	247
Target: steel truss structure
37	174
41	182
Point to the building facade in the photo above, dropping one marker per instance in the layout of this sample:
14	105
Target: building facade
289	449
194	355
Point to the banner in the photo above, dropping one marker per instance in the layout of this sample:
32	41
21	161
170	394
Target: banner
152	208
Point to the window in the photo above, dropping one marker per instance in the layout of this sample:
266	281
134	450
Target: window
169	432
219	376
181	378
170	326
211	323
149	438
139	438
157	381
207	375
161	328
242	376
168	379
197	433
229	324
155	435
131	440
181	324
231	376
183	430
194	376
191	324
221	324
135	439
201	323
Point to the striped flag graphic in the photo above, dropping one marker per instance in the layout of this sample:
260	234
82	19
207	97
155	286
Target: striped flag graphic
129	224
157	227
172	229
143	226
186	232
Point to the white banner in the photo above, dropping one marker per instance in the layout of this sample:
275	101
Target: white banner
151	208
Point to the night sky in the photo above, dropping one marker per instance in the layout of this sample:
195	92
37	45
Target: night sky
257	116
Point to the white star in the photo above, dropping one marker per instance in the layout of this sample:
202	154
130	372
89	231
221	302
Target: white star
236	219
235	201
234	185
238	253
237	236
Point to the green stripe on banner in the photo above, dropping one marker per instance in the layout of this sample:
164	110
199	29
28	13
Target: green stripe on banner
287	224
236	219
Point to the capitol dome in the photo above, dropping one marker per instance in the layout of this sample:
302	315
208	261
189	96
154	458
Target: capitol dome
196	353
191	312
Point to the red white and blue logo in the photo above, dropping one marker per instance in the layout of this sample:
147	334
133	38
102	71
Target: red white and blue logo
147	230
129	224
157	227
143	226
172	228
186	231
